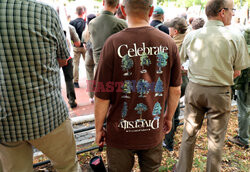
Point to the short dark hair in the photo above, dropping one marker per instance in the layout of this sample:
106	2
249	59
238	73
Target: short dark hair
80	10
214	6
179	23
112	3
157	16
190	20
198	23
138	6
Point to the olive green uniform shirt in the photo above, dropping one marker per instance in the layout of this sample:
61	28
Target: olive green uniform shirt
214	53
101	28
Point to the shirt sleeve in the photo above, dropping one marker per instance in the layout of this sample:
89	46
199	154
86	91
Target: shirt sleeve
175	77
242	60
104	73
73	34
183	51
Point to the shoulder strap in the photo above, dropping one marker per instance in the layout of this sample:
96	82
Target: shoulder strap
157	26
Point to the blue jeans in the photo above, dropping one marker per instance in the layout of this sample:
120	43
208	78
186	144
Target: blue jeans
243	103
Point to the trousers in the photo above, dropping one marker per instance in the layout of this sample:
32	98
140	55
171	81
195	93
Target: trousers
215	102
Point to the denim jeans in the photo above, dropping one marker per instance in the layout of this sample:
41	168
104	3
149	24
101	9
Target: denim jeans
243	103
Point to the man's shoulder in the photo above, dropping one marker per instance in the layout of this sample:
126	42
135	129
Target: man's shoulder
35	3
120	21
75	21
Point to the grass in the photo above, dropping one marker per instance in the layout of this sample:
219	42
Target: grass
235	158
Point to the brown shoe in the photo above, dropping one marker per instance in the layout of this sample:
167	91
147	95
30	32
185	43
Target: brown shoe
236	140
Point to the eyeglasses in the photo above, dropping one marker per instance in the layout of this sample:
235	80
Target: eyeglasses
233	9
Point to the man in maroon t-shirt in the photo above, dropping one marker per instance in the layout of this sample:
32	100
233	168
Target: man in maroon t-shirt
139	69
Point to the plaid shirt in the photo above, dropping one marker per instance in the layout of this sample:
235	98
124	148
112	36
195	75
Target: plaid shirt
31	44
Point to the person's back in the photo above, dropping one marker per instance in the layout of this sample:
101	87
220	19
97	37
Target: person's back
103	26
146	70
222	46
79	23
135	76
157	20
216	55
30	75
109	25
32	46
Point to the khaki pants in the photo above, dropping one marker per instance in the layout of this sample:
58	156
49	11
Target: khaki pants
89	65
59	146
122	160
216	103
78	51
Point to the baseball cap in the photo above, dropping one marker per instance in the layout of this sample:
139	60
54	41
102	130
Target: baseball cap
158	10
90	17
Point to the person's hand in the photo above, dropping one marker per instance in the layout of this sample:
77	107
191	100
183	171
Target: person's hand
85	47
167	126
100	137
183	70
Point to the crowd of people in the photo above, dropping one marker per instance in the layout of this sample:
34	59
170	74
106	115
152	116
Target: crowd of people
138	66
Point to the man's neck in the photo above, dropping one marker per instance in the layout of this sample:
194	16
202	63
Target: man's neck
80	16
137	22
218	18
111	9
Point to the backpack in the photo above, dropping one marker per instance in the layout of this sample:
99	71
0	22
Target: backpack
158	25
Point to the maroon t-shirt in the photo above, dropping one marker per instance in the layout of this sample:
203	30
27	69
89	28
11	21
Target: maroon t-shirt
136	68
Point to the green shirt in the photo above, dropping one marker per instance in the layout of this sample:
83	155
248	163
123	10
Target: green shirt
101	28
214	52
31	43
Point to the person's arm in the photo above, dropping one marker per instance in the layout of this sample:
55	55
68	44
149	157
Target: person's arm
173	99
74	36
101	109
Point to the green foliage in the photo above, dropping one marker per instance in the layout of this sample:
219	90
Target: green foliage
189	3
124	109
127	87
142	87
140	108
200	162
157	109
145	60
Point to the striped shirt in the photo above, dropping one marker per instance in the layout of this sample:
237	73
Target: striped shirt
31	44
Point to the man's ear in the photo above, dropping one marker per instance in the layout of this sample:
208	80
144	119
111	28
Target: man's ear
222	13
123	10
176	31
151	11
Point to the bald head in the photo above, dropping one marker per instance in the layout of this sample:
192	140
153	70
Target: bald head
214	6
136	7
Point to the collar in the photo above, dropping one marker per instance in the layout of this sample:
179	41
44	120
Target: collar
214	23
107	12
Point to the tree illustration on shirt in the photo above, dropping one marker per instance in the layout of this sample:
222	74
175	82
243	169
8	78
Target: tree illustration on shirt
127	63
161	61
127	88
156	110
145	61
158	87
140	108
142	87
124	110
